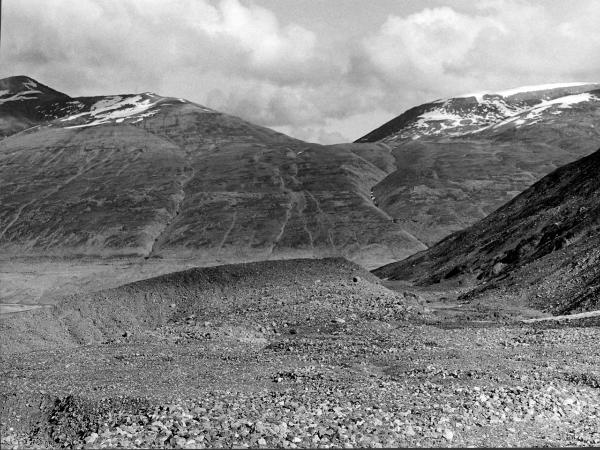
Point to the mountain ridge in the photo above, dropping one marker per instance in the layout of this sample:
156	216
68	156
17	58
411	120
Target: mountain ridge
459	159
153	176
177	178
144	178
473	113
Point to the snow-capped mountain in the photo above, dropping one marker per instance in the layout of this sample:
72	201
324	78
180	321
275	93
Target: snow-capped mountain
21	89
37	105
146	175
474	113
458	159
23	102
112	109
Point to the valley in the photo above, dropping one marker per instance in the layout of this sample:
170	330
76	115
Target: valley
176	277
149	182
541	249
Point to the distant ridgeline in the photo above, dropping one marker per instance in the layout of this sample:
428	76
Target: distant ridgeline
151	176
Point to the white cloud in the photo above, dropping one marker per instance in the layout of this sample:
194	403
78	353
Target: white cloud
239	57
428	42
159	37
257	31
296	105
500	43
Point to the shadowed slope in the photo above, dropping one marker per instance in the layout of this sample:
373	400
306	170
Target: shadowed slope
542	248
25	103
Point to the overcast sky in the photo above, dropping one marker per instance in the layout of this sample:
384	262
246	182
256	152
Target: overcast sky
321	70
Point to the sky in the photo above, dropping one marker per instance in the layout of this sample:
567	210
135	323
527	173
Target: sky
324	71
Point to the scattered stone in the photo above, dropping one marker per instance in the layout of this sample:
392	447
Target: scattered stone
91	438
448	434
380	382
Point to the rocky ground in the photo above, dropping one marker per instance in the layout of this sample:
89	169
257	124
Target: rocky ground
330	358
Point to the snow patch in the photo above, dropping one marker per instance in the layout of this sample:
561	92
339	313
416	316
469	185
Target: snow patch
532	88
562	103
24	95
478	95
440	115
117	109
567	101
30	84
540	87
454	119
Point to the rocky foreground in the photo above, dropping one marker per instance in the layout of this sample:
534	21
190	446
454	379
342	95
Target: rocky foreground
328	358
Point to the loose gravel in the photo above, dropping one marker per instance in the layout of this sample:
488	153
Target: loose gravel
320	365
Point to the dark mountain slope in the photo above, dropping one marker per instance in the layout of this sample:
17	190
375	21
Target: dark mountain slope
542	248
24	103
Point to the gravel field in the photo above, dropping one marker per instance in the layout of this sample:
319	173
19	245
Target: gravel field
328	358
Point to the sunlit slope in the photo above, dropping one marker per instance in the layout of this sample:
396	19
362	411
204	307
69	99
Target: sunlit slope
154	176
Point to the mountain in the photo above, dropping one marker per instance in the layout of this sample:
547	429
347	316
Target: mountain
459	159
24	103
517	108
149	176
142	175
541	249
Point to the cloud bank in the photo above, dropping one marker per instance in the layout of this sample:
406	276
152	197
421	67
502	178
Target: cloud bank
239	57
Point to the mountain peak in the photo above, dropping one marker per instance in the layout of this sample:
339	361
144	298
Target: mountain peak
25	103
22	88
484	111
18	80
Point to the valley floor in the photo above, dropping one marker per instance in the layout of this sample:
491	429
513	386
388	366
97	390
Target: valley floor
327	368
